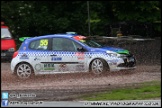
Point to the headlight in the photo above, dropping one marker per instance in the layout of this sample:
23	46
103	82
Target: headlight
112	54
123	55
11	50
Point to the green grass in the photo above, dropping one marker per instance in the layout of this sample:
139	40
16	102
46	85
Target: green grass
142	91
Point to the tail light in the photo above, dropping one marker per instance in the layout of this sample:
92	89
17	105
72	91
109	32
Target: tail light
15	54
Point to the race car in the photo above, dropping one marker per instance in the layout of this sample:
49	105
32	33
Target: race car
68	53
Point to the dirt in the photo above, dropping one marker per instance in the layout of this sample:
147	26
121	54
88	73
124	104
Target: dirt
63	86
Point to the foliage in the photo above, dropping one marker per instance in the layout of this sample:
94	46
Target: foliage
33	18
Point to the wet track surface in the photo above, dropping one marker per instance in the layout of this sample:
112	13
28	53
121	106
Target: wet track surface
65	86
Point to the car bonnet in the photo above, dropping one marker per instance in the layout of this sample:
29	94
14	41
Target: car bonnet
114	49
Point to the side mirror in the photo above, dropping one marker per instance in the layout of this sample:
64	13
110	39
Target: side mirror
81	49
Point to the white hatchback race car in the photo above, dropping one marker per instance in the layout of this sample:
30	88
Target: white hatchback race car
68	53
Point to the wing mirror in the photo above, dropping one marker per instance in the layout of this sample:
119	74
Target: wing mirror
81	49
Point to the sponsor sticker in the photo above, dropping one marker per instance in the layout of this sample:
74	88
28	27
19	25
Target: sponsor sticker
56	58
35	59
38	67
49	66
63	67
24	56
80	55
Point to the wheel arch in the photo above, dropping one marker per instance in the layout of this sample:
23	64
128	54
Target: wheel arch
26	63
107	65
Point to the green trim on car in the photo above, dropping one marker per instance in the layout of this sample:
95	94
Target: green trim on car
123	52
23	38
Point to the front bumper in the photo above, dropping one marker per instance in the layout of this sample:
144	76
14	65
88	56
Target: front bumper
128	63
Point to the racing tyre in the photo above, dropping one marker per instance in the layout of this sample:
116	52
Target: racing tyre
23	70
98	66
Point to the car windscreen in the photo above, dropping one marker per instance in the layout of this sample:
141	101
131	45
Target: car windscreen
5	33
91	43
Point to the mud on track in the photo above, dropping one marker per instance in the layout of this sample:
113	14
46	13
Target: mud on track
66	86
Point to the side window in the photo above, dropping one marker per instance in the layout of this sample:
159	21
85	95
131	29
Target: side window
77	46
57	44
41	44
62	44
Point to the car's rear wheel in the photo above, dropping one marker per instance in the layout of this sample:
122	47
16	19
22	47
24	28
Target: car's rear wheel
98	66
23	70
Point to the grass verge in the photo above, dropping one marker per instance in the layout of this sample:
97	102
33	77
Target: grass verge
144	91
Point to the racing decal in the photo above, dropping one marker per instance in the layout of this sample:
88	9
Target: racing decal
49	66
43	42
38	67
35	59
24	56
80	55
63	67
56	58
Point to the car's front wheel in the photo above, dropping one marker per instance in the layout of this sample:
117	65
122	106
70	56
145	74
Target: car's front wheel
98	66
23	70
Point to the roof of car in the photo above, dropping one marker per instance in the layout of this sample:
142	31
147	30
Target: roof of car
52	35
60	35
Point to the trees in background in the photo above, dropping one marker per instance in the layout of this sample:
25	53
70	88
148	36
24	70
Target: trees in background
33	18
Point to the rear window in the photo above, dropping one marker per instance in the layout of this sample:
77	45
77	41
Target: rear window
41	44
5	33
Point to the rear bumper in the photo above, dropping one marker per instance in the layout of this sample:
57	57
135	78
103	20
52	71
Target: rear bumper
6	55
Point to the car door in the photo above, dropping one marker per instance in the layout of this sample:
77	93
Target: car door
81	56
39	50
65	57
